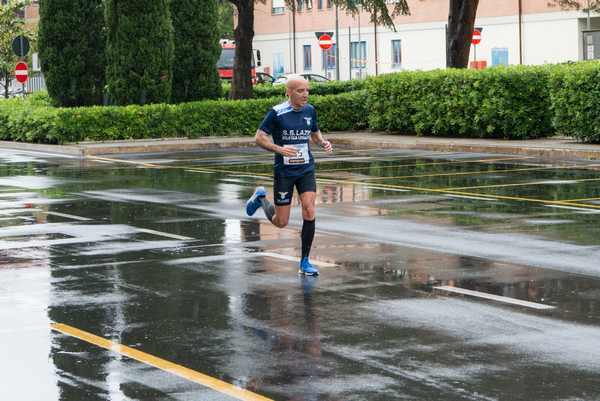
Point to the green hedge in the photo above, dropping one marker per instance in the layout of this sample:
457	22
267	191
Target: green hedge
510	103
20	121
263	91
575	97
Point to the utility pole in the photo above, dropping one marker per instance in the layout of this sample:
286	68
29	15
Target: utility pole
337	47
294	32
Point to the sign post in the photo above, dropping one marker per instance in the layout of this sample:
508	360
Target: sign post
475	41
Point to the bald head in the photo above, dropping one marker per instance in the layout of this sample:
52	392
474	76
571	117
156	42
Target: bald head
294	80
297	91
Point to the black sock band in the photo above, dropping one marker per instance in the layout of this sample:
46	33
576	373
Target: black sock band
308	233
268	208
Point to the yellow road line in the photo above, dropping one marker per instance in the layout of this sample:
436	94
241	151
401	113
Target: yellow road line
170	367
520	184
369	179
454	192
406	187
424	164
581	200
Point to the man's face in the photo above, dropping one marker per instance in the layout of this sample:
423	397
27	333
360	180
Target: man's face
297	91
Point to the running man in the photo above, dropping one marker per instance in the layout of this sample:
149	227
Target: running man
290	126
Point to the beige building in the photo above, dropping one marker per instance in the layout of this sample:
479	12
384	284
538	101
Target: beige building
513	32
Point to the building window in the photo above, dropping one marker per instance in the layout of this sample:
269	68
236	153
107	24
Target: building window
329	58
329	3
500	56
300	5
320	4
307	57
396	53
308	4
358	54
278	7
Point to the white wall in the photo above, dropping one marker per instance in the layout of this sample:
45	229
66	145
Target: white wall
547	38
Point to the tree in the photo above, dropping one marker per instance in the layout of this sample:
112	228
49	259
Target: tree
71	42
11	26
197	50
461	22
225	19
584	5
241	87
139	51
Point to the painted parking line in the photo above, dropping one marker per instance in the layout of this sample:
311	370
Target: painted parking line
164	234
243	255
469	197
162	364
497	298
452	191
531	183
580	209
69	216
468	173
427	164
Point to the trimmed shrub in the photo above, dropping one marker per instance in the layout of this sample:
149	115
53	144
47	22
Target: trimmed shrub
263	91
71	46
19	121
575	98
139	51
197	50
511	103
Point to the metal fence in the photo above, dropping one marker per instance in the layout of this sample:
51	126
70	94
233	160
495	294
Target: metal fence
35	83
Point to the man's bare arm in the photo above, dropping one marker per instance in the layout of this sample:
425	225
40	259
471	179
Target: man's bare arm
264	141
318	139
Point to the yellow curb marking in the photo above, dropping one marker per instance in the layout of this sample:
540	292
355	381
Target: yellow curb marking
170	367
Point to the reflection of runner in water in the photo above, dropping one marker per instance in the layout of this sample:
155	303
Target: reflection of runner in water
291	125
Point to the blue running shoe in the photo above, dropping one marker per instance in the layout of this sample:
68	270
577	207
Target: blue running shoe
254	202
307	268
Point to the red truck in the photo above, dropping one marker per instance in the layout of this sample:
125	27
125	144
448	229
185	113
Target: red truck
225	63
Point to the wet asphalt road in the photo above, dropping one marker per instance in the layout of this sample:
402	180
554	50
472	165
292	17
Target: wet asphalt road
154	252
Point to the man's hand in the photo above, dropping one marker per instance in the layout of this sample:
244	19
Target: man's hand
287	152
327	146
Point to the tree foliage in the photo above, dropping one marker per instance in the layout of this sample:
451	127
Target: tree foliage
139	51
71	47
197	50
11	26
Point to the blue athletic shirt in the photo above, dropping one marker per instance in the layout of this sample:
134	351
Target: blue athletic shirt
289	127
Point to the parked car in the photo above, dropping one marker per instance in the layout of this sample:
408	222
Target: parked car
282	79
264	78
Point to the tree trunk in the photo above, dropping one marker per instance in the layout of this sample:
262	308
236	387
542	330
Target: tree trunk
241	86
461	22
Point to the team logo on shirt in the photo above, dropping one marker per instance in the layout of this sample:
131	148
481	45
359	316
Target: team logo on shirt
308	120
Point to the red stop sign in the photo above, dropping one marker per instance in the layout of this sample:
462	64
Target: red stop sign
325	42
21	73
476	37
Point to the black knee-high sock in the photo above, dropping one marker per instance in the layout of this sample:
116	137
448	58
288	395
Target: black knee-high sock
308	233
268	208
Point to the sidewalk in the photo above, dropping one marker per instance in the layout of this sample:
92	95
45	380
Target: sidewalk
559	148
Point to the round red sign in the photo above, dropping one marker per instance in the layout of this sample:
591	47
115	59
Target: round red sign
325	42
476	37
21	73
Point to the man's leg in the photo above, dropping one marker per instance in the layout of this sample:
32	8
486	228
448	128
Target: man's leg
307	189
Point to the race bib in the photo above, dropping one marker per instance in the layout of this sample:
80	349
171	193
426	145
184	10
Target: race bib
302	156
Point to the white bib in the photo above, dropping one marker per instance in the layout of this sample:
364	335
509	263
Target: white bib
302	156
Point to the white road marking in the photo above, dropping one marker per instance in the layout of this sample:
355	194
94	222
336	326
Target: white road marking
581	209
216	258
492	297
469	197
163	234
69	216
